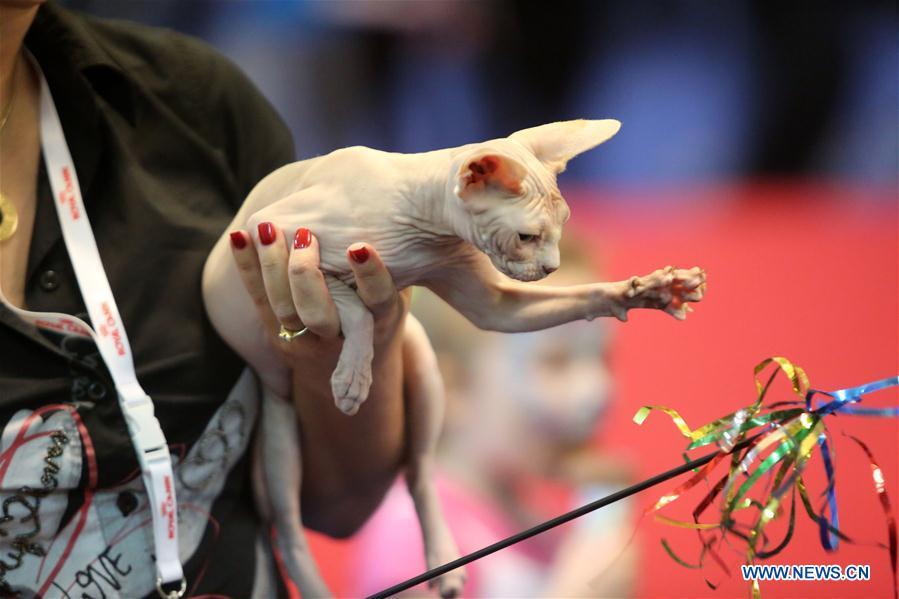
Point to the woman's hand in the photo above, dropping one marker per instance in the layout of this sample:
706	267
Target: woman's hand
350	461
288	289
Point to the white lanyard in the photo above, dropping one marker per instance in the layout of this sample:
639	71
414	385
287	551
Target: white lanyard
112	342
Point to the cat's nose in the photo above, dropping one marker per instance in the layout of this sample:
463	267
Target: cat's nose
549	269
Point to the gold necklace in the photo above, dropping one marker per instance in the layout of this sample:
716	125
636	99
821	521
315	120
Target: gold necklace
9	217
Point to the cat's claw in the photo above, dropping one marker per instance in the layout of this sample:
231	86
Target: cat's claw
668	289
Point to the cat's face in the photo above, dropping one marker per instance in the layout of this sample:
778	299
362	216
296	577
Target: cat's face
508	189
519	232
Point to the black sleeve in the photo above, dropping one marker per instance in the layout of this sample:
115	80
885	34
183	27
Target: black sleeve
252	134
207	92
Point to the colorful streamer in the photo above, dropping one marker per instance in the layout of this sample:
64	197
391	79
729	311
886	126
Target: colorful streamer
768	448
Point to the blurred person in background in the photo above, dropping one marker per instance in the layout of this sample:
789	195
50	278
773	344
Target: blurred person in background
519	447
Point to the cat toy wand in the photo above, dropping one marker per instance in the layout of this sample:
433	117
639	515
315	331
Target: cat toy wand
792	430
557	521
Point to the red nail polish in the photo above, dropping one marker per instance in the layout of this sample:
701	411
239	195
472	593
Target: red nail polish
267	233
359	255
238	240
302	239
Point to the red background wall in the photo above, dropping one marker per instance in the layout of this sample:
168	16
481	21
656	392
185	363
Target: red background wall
805	272
808	272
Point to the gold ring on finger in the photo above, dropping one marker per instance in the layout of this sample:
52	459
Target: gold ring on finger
288	335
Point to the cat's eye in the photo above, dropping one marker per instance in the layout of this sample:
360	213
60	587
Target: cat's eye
527	237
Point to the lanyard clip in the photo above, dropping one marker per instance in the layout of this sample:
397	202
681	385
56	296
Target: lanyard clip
174	594
145	429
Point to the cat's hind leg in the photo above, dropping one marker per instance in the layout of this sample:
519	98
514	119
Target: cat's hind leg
246	322
425	401
351	379
281	469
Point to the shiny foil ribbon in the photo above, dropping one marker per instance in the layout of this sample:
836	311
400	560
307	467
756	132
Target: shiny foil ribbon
767	447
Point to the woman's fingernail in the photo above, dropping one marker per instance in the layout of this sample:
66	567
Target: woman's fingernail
238	240
359	255
267	233
302	239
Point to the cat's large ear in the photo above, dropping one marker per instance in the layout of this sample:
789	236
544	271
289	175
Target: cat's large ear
489	169
557	143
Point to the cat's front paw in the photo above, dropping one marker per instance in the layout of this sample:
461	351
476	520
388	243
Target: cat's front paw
668	289
350	384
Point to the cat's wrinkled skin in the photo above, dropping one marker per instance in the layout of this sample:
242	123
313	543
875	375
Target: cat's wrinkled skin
472	223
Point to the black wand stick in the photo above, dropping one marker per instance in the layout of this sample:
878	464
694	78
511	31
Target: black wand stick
557	521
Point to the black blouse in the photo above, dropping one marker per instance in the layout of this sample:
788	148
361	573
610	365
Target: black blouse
168	137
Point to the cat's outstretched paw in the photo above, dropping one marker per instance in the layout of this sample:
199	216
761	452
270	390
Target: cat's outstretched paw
350	384
669	289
